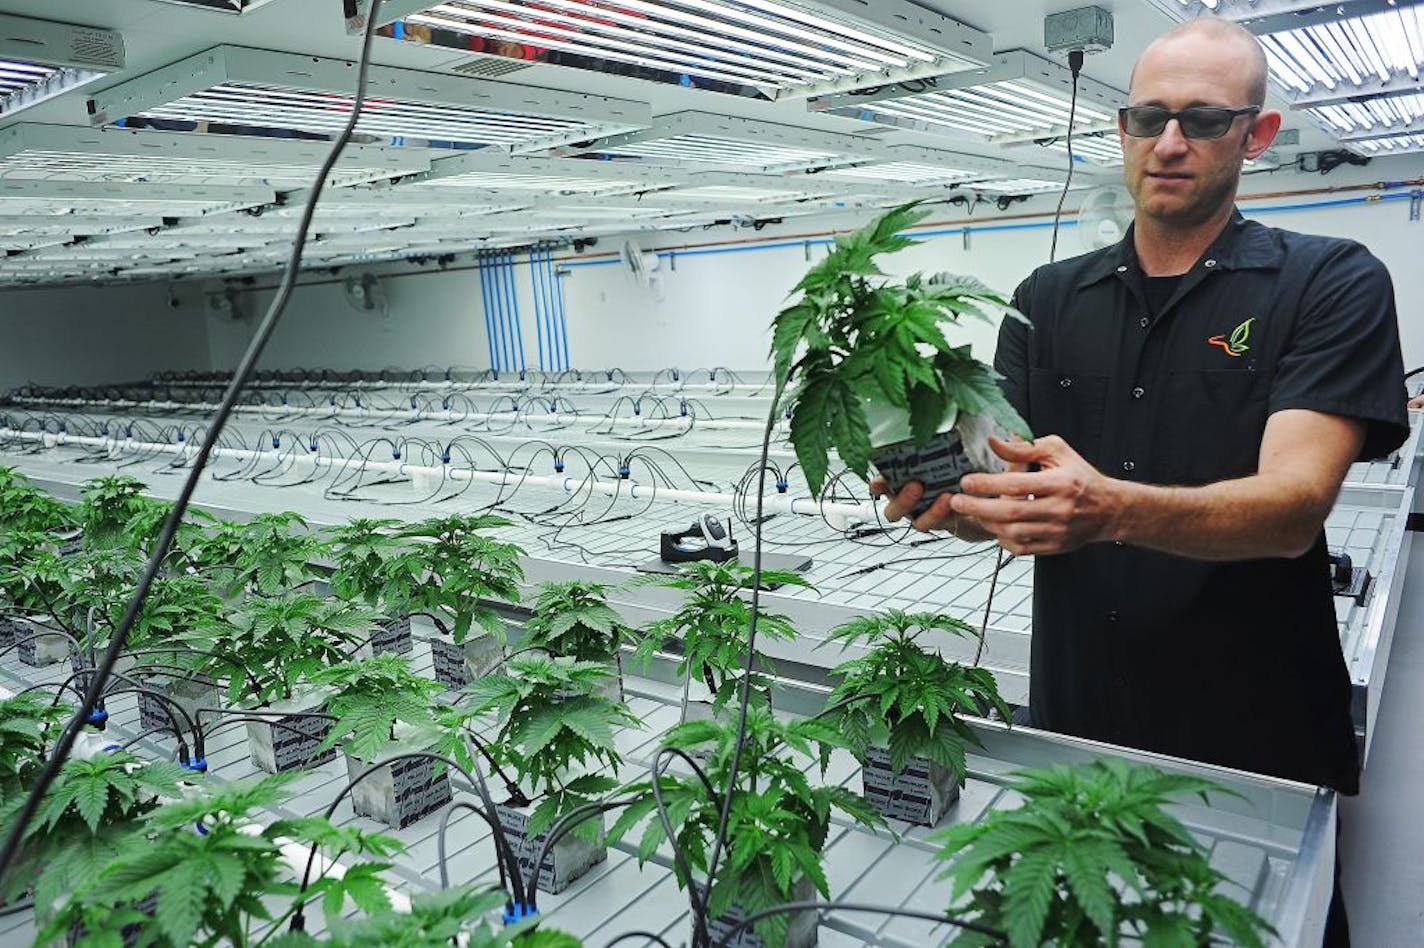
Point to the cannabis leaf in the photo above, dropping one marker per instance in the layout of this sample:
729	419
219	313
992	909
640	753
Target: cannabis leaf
573	619
1041	872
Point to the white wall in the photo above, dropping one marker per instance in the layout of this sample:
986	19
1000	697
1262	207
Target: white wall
434	319
716	307
89	335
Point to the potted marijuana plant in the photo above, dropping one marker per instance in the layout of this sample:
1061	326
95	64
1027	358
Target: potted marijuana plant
898	706
25	507
574	620
460	915
208	869
777	829
277	553
88	814
106	505
464	572
556	725
872	373
712	630
1044	873
277	645
376	565
27	723
33	578
381	709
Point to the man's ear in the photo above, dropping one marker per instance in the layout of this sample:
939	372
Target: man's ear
1263	132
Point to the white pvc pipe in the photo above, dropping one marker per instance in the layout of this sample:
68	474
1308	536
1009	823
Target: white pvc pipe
772	503
634	421
592	386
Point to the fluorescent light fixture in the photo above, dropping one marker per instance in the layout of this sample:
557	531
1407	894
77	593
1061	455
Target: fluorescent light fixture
1019	186
771	47
253	90
1018	96
705	140
496	181
1399	144
221	6
1104	149
40	60
1370	117
1352	54
902	172
54	152
58	199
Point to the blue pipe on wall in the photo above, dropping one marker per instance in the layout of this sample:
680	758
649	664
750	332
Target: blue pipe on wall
563	318
538	307
490	333
514	309
502	305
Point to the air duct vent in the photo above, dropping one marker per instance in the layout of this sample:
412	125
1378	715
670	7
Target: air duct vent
487	67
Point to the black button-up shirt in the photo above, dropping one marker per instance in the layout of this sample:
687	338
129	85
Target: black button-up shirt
1235	663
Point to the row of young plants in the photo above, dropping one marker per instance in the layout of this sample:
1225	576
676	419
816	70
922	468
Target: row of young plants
241	606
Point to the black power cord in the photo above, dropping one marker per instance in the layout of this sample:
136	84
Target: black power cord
1075	67
97	682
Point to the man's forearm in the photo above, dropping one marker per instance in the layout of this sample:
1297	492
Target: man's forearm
1247	518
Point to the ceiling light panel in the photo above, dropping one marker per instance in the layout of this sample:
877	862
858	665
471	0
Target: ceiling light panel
40	60
903	172
769	48
60	152
1018	96
1399	144
1019	186
708	141
56	199
1349	55
222	6
1100	149
248	90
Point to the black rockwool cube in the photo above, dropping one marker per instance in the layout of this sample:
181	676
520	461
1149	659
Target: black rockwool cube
938	465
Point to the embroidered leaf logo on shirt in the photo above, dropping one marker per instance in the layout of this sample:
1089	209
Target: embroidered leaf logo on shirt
1237	343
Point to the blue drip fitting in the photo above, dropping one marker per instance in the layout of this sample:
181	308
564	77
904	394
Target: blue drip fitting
395	453
276	441
682	408
519	913
624	472
97	717
637	408
558	467
445	457
199	766
311	446
181	435
782	486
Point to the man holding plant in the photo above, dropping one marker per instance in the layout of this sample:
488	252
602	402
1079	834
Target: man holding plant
1199	391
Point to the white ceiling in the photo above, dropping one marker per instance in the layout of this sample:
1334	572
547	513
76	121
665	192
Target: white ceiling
158	33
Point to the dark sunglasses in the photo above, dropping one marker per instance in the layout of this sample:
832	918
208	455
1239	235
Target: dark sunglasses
1199	121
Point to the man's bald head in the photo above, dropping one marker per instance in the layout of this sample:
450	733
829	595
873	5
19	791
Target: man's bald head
1221	31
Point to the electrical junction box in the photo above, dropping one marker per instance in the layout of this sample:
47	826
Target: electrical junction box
1087	28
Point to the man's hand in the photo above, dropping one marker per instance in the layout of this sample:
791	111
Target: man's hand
939	516
1417	401
1063	505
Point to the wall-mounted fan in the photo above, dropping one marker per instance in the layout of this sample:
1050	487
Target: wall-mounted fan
642	266
366	294
1103	217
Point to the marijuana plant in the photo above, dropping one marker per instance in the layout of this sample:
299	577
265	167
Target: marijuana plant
375	564
215	886
279	643
1041	873
464	570
106	505
86	817
902	696
857	337
553	728
573	620
25	507
370	697
27	723
713	626
276	553
458	915
778	824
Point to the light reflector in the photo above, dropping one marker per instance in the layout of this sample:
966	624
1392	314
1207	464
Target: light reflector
247	89
903	172
773	47
1018	186
1356	53
1371	116
40	60
1020	96
1388	145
